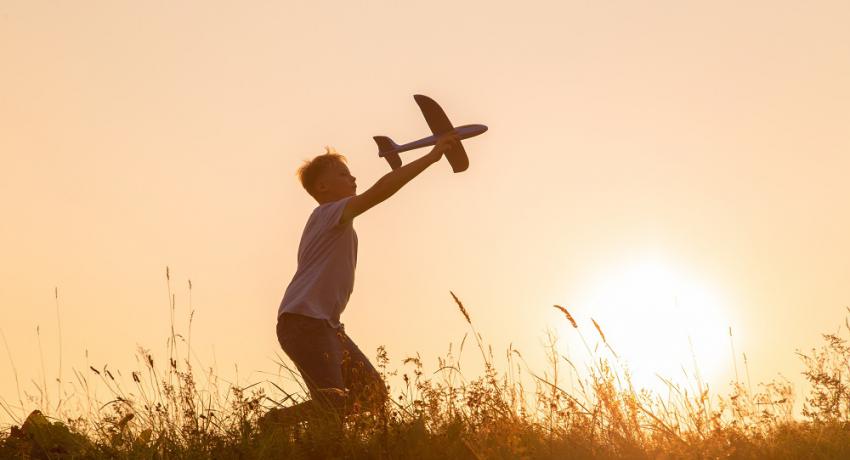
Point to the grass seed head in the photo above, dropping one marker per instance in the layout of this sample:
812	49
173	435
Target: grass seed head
460	305
568	315
599	329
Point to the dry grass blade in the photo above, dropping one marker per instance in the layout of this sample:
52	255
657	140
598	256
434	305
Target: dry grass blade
599	329
567	314
601	334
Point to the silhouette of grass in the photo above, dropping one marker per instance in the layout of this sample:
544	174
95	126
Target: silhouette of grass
162	410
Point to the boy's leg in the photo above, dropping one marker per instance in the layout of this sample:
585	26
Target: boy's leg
316	350
366	388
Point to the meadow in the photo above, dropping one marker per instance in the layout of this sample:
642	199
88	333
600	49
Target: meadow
168	409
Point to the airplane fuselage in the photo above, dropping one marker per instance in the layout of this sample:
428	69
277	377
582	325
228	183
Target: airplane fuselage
462	132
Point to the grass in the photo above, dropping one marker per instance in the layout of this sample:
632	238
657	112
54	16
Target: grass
166	409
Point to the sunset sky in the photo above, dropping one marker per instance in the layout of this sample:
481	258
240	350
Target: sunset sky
669	169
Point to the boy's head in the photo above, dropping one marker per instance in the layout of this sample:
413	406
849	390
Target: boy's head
326	177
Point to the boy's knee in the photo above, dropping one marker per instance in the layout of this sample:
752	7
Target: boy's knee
333	399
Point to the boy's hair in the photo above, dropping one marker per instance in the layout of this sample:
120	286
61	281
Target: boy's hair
311	169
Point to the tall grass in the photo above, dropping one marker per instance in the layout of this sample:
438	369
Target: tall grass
167	409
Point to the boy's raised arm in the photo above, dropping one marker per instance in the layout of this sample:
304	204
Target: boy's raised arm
394	180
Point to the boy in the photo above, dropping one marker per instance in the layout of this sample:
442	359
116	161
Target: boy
338	375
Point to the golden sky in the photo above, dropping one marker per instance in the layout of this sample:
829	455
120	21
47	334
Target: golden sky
669	169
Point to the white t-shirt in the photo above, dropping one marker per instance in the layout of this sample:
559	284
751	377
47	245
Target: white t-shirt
327	256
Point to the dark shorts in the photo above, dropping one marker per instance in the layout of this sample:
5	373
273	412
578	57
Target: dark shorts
328	359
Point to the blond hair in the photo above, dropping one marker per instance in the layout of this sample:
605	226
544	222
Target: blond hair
311	169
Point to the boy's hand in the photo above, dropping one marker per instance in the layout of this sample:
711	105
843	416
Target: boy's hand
443	145
395	179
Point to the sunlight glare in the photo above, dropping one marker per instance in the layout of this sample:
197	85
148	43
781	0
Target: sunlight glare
659	320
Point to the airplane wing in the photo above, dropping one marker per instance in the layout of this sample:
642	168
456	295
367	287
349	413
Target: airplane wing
457	158
440	124
434	115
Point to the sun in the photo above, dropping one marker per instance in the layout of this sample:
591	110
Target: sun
659	319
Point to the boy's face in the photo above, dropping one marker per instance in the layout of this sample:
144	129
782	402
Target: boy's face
336	182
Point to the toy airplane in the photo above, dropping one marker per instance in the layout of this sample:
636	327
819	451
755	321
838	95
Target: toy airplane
440	126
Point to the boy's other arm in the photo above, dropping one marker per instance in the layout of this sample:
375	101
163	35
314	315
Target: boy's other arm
394	180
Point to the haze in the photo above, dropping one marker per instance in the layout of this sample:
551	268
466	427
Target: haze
668	169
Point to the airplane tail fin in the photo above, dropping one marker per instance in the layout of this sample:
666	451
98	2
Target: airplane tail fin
386	149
